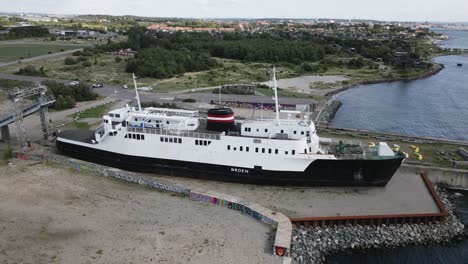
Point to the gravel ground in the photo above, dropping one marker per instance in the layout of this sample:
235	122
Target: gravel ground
49	214
302	84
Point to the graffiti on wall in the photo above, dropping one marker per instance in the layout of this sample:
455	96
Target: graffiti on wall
232	205
121	175
199	197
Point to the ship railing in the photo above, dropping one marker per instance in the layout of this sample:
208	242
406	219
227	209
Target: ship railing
177	133
368	153
350	156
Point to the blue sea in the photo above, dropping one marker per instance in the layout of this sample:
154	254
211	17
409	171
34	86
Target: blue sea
434	107
458	39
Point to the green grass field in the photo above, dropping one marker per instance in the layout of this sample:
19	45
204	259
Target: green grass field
11	51
95	112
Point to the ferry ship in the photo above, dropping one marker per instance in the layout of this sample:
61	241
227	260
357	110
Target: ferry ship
178	142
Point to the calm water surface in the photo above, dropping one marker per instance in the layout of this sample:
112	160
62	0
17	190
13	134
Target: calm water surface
458	39
436	107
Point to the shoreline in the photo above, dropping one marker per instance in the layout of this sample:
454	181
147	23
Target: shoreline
439	67
332	108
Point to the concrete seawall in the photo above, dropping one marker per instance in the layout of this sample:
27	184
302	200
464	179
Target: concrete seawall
450	177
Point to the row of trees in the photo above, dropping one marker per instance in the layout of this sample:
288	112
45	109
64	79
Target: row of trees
164	63
29	32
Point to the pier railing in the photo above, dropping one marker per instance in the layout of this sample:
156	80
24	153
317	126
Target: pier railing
177	133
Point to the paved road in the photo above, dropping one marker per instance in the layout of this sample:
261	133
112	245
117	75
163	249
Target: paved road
41	57
194	90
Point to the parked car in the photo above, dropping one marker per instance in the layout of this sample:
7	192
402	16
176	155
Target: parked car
98	85
74	83
125	86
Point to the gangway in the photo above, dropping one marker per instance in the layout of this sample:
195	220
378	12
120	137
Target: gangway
39	105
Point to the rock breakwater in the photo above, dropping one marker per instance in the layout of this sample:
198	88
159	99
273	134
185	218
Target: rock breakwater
313	244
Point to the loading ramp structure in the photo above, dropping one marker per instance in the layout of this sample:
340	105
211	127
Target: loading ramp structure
40	105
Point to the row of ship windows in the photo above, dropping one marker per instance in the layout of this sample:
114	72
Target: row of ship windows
248	129
135	136
153	121
171	140
264	150
202	142
116	115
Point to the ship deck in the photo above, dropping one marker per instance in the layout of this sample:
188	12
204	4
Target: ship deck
84	136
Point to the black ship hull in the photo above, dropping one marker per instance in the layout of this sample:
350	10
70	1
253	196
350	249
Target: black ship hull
340	172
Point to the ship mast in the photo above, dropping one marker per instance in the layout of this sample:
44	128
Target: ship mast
275	88
136	92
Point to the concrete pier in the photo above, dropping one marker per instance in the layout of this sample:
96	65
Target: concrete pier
5	132
43	113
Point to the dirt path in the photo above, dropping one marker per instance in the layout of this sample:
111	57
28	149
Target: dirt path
55	215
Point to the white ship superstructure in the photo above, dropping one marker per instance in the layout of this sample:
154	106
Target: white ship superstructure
275	151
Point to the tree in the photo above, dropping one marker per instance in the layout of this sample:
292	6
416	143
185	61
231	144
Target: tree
29	32
70	61
64	102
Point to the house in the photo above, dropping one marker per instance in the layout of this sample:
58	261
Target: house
23	24
126	52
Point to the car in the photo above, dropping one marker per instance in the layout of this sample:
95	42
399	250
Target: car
125	86
98	85
74	83
145	88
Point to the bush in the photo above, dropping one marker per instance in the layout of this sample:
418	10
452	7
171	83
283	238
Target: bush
70	61
83	58
87	64
31	71
306	67
76	53
118	59
189	100
7	154
356	63
64	102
